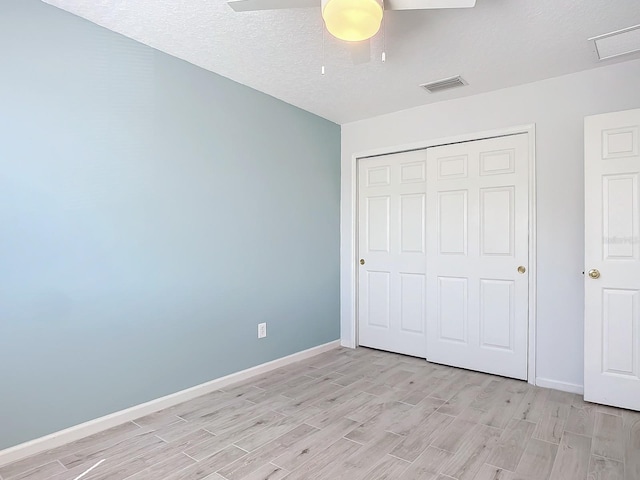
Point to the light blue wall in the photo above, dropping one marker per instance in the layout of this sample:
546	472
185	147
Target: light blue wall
151	215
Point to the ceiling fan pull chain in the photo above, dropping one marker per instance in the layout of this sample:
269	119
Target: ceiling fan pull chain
384	36
323	49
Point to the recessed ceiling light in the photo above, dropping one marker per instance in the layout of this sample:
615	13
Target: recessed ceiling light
620	42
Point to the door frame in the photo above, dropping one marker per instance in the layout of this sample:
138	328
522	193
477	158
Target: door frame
530	130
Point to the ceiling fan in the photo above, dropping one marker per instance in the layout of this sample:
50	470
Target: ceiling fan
351	20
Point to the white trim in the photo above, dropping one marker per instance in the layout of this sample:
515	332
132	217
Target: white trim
424	144
562	386
353	272
97	425
533	257
351	334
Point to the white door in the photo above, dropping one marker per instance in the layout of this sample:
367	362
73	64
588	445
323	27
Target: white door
477	255
391	238
612	259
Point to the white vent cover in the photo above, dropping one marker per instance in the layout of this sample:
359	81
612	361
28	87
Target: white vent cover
444	84
614	44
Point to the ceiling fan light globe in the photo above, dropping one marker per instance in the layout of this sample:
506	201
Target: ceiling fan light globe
352	20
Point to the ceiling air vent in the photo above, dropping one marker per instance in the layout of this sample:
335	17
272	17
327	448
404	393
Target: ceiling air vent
444	84
614	44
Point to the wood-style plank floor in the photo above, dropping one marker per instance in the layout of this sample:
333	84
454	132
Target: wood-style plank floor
361	414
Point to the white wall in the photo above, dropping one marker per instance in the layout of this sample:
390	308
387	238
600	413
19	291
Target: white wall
557	106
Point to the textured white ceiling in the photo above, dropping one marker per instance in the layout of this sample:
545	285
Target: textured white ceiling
497	44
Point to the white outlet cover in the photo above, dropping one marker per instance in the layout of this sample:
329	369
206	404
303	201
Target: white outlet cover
262	330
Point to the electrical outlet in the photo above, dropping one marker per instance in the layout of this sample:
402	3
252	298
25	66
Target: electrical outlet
262	330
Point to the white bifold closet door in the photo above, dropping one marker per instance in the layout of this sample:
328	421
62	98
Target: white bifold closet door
391	246
612	259
442	233
477	255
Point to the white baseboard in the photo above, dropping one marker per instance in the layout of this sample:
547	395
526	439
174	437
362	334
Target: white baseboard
91	427
562	386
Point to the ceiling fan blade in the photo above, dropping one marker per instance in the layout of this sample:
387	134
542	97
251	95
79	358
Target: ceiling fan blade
253	5
427	4
360	52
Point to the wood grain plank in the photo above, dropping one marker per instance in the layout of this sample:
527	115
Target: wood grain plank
158	419
413	396
396	376
472	453
219	442
164	468
267	472
487	396
491	472
537	460
511	445
631	425
416	442
461	400
258	414
610	410
340	407
325	460
178	430
253	441
448	388
572	460
356	466
132	466
414	416
72	473
389	469
505	404
532	405
581	420
211	411
601	468
311	396
312	445
209	465
551	425
96	441
263	455
608	436
132	446
40	473
386	415
454	435
428	465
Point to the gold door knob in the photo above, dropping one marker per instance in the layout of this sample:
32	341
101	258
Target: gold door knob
593	273
362	261
521	269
